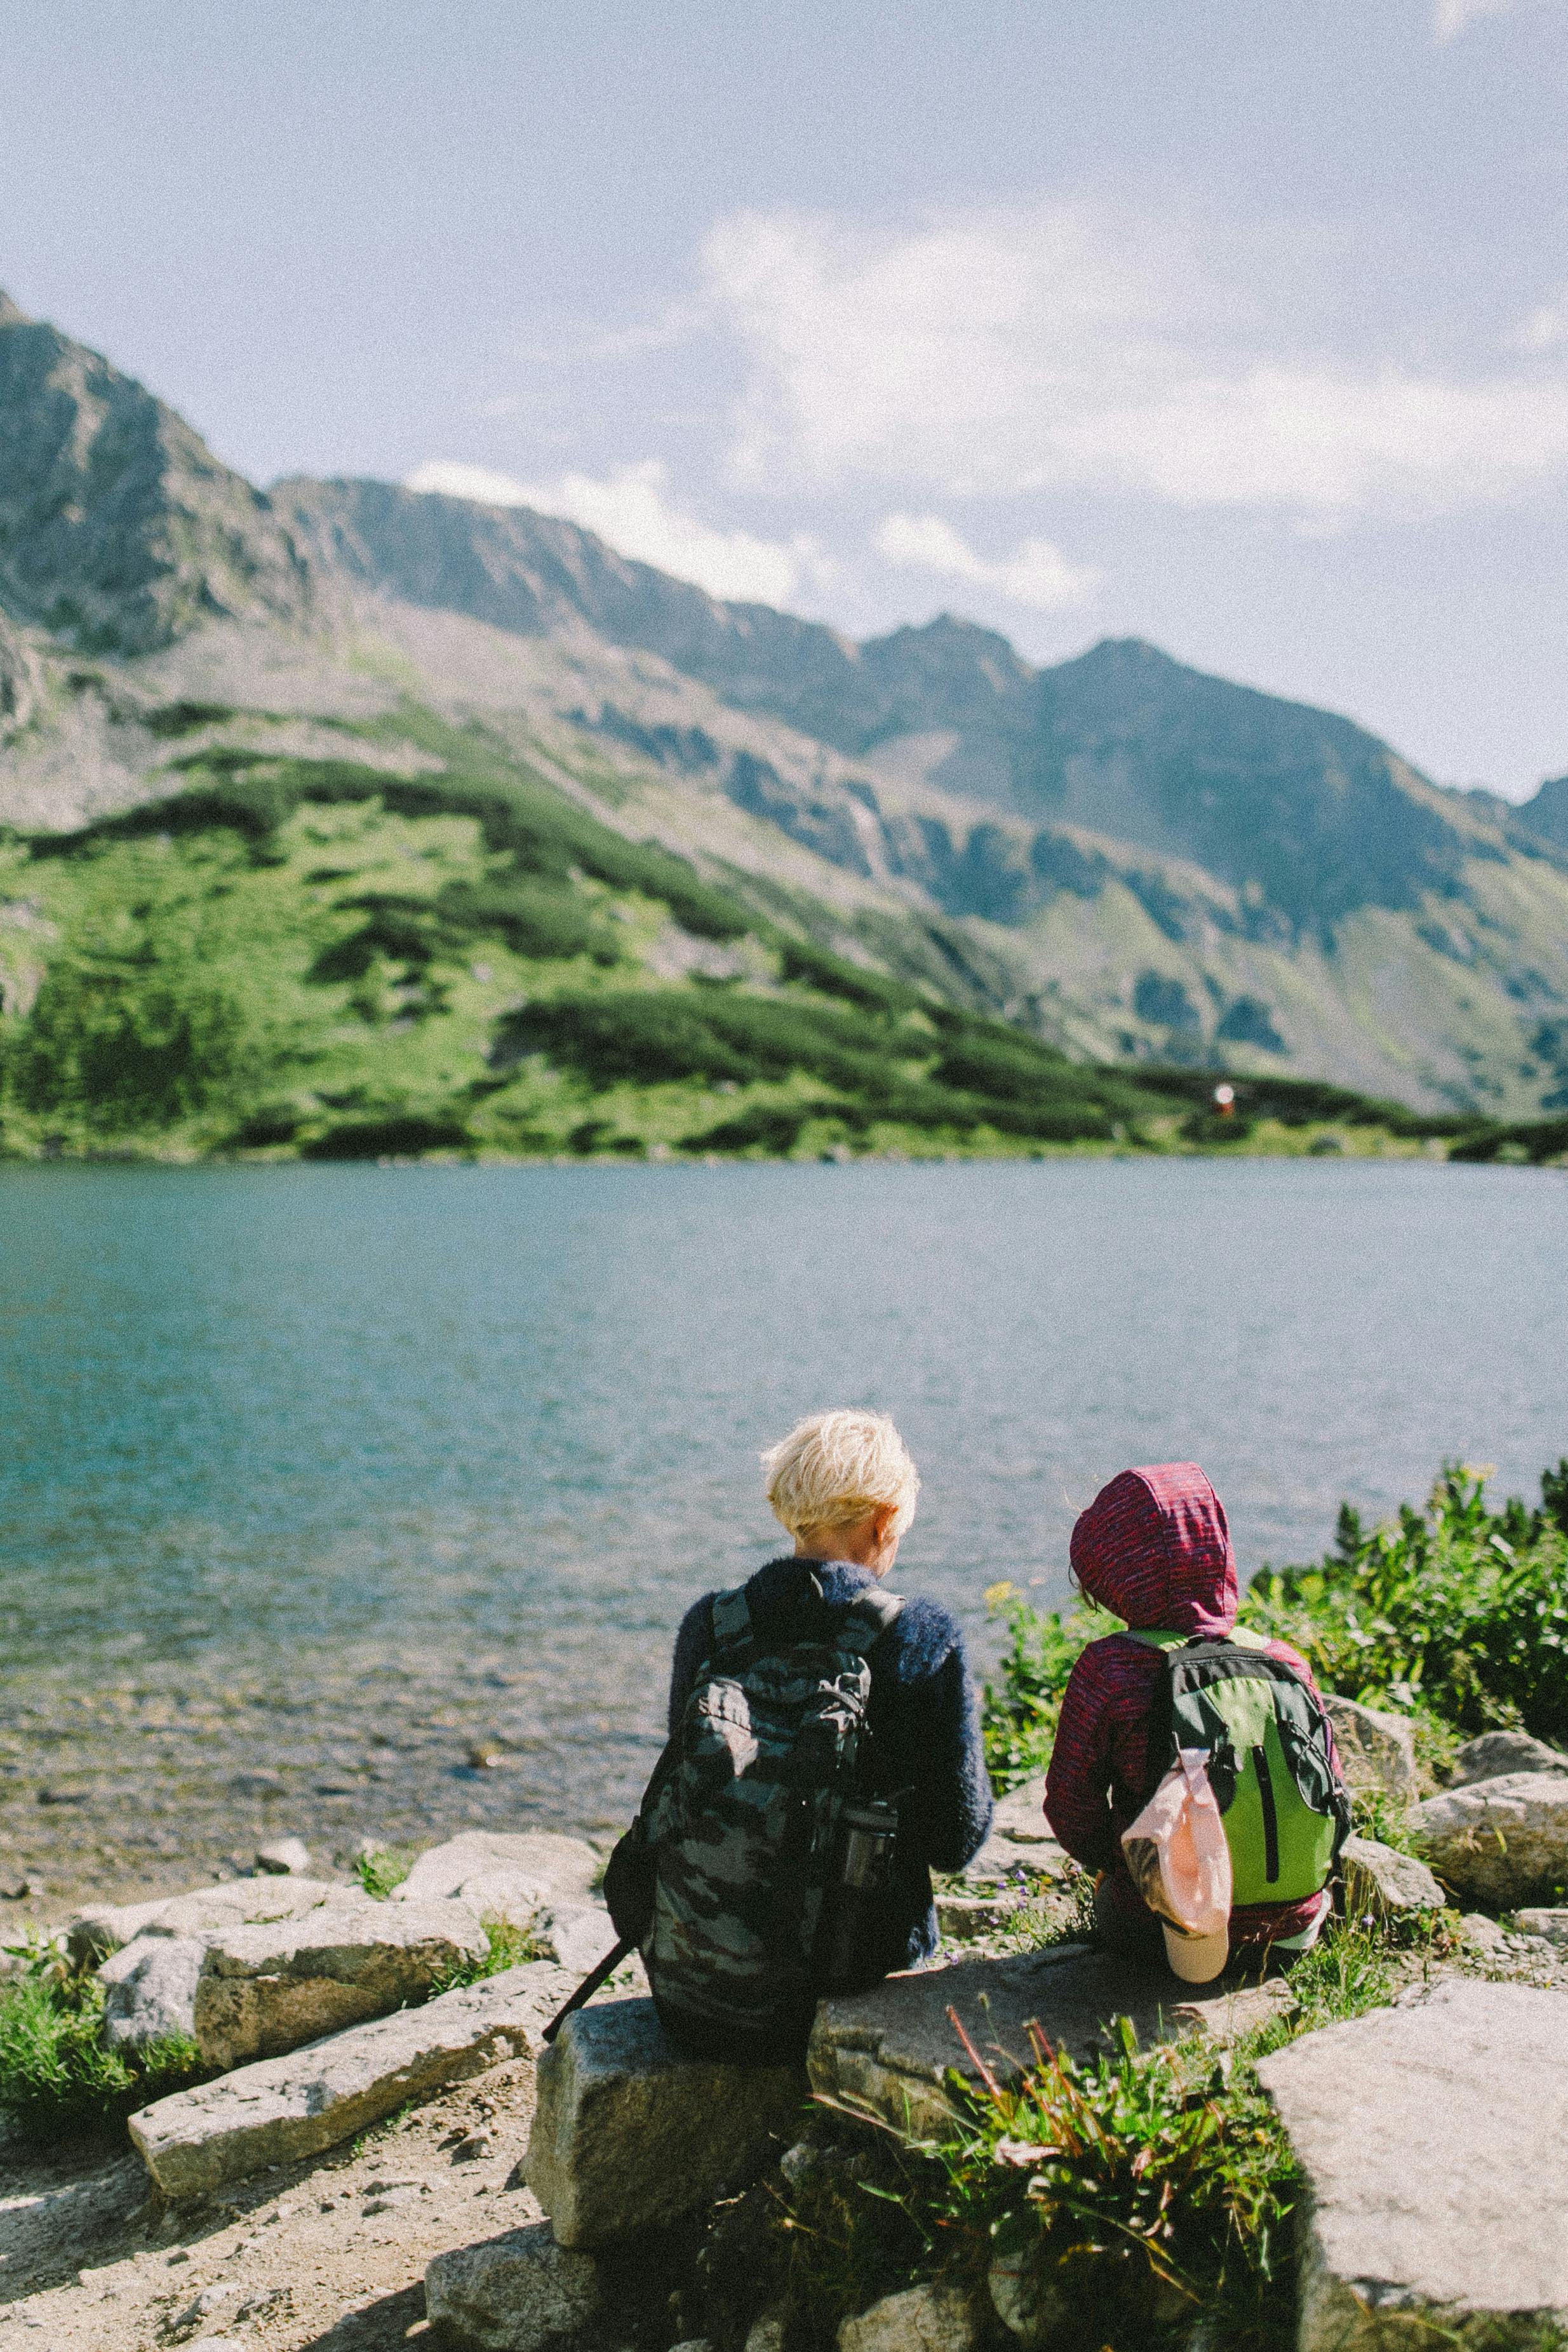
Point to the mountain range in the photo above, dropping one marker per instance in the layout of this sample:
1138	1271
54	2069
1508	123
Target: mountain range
1130	860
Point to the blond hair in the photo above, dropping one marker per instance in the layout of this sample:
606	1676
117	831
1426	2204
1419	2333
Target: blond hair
834	1468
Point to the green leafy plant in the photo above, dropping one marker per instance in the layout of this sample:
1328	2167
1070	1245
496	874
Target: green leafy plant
57	2077
1021	1705
509	1947
1458	1612
382	1869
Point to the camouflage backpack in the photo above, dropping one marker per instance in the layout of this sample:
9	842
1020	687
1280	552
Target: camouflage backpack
743	1820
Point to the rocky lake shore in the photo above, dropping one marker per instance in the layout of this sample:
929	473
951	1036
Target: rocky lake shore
376	2148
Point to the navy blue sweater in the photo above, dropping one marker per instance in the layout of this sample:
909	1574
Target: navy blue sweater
925	1726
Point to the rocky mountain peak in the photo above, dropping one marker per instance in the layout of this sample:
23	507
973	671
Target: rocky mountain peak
119	530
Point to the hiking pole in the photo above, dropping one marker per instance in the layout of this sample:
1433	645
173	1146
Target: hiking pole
590	1986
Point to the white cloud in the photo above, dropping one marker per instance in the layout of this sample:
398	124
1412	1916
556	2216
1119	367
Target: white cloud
1451	18
1036	574
1045	347
632	509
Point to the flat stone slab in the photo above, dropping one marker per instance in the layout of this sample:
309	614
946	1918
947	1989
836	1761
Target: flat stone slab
505	1874
264	1989
1551	1924
1376	1748
1434	2140
1498	1841
631	2132
889	2051
284	2109
97	1932
1021	1844
518	2293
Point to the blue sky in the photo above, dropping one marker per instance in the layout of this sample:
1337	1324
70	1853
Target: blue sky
1238	326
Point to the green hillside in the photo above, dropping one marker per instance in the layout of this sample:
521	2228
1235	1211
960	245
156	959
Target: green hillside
316	958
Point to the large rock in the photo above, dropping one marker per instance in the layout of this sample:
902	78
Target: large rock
1381	1883
1434	2141
1498	1753
1021	1846
631	2132
889	2050
284	2109
578	1936
1377	1749
1498	1841
150	1989
101	1930
520	2293
506	1876
938	2315
262	1991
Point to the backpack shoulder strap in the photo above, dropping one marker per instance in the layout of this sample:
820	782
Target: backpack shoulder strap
731	1617
868	1618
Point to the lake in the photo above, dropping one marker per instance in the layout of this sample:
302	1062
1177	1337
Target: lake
316	1479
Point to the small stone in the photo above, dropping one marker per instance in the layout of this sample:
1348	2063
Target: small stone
1550	1926
631	2133
13	1890
1386	1884
1496	1754
766	2333
488	1756
938	2316
475	2145
1434	2139
284	2109
286	1857
152	1990
1376	1748
964	1915
1499	1841
1031	2308
520	2293
257	1782
1481	1933
578	1938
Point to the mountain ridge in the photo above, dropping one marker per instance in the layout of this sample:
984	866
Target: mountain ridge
1146	860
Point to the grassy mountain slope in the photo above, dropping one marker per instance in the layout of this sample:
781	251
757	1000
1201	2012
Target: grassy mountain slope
316	958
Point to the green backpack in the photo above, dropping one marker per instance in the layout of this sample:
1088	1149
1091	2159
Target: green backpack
1266	1736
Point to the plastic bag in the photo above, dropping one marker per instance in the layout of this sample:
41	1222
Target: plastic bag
1176	1852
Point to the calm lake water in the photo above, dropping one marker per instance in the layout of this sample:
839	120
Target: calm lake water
310	1478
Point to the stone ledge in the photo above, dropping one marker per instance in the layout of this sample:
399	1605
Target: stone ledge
631	2132
1434	2137
889	2050
284	2109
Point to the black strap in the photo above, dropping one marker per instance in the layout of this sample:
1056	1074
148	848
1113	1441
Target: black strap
731	1619
868	1617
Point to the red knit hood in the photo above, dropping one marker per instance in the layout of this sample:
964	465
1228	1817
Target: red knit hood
1154	1547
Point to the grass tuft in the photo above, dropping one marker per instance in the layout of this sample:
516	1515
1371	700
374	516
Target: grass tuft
58	2078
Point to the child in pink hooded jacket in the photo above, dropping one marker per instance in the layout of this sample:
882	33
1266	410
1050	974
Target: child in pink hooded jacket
1154	1547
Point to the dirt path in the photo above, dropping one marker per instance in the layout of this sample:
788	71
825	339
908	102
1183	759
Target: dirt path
328	2256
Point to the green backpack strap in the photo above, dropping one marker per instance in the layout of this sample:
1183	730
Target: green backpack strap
1243	1638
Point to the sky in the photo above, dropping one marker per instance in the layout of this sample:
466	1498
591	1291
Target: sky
1240	327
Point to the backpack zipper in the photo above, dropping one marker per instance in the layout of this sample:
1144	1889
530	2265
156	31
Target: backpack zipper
1270	1819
